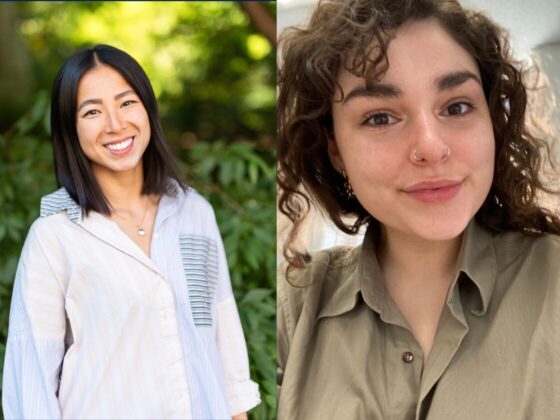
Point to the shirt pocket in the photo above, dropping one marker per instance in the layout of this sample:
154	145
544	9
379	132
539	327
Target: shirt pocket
199	256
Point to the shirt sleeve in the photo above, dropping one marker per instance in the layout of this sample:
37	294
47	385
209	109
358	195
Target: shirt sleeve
242	393
35	346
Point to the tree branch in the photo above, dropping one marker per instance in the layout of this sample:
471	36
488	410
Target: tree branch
261	19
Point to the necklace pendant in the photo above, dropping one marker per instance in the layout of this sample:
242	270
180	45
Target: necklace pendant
141	231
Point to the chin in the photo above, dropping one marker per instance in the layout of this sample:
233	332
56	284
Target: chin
117	167
443	229
126	166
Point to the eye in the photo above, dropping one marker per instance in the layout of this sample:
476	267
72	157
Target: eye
128	102
379	119
458	108
91	113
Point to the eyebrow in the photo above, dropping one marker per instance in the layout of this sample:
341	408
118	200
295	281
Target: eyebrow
99	101
384	90
452	80
375	90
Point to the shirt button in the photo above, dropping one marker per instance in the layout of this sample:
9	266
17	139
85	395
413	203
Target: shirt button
407	357
156	235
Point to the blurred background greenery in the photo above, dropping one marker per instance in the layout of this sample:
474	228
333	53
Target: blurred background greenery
212	65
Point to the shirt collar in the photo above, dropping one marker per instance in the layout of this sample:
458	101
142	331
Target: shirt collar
105	229
170	204
59	201
342	291
476	259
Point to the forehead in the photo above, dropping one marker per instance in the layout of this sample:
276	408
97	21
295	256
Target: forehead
101	79
420	53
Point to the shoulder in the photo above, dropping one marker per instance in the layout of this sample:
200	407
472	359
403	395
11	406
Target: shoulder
317	283
48	226
58	212
192	215
60	201
534	257
515	246
48	246
192	204
325	266
58	230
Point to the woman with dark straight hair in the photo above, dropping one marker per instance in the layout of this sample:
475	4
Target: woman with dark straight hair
408	117
122	304
73	171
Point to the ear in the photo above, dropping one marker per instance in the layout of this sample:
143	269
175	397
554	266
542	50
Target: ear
334	154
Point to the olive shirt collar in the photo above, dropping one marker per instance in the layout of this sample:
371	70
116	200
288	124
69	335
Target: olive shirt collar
476	262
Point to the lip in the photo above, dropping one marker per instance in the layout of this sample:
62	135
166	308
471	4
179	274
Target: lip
436	191
123	151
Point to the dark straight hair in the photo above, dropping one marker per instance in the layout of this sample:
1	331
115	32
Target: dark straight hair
73	168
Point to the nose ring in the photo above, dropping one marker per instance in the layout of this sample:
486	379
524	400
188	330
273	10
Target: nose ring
418	158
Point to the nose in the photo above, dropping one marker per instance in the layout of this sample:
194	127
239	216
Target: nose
430	143
114	122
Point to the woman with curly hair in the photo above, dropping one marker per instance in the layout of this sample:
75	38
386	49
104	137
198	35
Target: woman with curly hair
408	117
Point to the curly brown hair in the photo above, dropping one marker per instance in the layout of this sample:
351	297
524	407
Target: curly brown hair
354	35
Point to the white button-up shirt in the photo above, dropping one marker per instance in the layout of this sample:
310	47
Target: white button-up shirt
100	330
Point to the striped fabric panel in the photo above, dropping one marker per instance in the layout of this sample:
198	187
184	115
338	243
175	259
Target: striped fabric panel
58	201
199	256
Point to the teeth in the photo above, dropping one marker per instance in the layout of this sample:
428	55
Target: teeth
119	146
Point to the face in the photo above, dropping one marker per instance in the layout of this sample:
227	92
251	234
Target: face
111	122
418	146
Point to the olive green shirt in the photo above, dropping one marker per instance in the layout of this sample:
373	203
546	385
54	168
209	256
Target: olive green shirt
346	352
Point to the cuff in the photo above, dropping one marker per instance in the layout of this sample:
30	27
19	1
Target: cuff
242	396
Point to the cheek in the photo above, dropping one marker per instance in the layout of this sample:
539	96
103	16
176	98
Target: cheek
85	130
141	116
140	120
380	161
370	162
478	158
147	127
489	159
373	171
483	151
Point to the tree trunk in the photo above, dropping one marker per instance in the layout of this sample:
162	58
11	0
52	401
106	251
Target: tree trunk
16	80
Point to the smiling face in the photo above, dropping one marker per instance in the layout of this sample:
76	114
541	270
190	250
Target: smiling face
111	122
418	145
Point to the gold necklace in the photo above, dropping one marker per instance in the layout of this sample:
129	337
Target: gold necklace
139	228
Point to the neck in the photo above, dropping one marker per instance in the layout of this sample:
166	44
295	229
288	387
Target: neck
413	260
122	189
